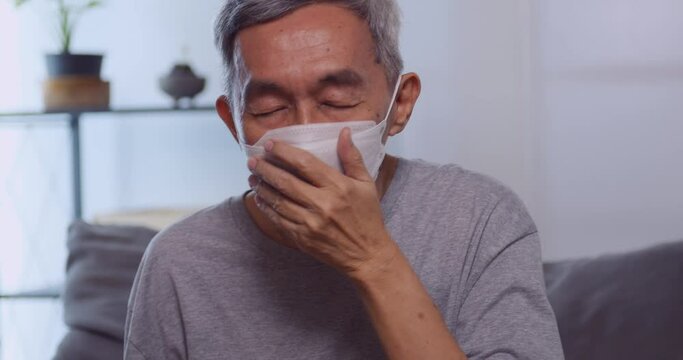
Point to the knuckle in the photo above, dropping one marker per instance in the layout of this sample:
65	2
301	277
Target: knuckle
268	192
345	189
327	210
314	226
356	156
275	182
273	217
344	192
264	193
283	182
258	169
304	162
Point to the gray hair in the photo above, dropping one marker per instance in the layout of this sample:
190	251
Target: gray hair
382	16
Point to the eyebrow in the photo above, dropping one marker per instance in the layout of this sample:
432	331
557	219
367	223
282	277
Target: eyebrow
261	87
341	78
345	77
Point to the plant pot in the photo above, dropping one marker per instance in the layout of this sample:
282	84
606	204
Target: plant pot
75	93
74	83
59	65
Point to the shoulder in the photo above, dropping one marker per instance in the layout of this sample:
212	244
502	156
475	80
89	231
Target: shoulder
474	184
501	213
174	253
205	231
459	188
481	214
487	215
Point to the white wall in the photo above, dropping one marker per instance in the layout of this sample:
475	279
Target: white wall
576	105
473	59
609	101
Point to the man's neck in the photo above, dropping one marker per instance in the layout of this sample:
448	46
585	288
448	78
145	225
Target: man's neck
385	176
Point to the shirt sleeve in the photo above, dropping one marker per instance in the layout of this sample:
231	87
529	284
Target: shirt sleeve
132	353
154	327
504	311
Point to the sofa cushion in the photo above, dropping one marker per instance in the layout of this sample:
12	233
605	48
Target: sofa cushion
156	219
100	271
87	345
627	306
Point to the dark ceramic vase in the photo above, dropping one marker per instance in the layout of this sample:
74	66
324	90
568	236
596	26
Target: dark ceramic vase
182	83
59	65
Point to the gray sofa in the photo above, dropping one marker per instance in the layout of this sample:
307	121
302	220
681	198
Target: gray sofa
627	306
100	270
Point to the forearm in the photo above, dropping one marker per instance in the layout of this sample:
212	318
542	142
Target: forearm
403	314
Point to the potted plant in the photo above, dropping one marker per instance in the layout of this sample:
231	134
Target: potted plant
65	63
74	81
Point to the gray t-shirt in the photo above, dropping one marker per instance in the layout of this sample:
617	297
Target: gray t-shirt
214	287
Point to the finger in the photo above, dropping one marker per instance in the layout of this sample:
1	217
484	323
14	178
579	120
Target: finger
351	158
274	216
306	165
283	181
280	203
253	181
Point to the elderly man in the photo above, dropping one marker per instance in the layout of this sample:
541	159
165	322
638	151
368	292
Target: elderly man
338	251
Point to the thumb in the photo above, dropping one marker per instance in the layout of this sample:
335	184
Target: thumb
350	157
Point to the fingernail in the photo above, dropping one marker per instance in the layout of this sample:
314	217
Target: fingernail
251	164
269	145
348	132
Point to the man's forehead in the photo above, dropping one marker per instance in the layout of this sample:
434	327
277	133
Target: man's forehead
325	27
319	44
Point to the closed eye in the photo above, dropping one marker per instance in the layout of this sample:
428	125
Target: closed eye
266	113
340	106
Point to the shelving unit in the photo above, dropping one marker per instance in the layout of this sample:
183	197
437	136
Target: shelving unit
74	119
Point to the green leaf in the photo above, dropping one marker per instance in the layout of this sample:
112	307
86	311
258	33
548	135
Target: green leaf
19	2
91	4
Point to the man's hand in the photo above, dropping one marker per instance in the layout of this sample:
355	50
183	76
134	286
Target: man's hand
337	219
333	217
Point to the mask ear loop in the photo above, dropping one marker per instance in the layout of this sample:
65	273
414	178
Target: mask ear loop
383	126
391	106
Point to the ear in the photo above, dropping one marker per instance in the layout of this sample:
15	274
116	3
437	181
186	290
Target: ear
408	92
225	113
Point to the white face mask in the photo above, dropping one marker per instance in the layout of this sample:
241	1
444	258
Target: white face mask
321	139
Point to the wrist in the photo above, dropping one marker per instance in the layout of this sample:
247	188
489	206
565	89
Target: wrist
381	268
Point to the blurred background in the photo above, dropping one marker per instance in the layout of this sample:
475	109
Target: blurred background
576	105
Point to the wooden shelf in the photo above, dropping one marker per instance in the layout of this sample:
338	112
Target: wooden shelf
40	116
47	293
